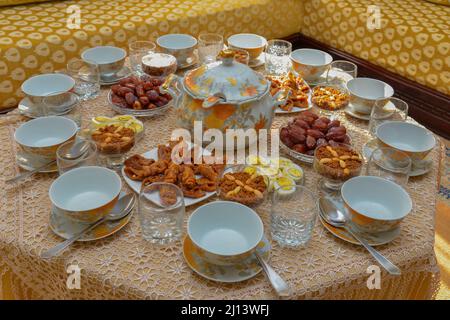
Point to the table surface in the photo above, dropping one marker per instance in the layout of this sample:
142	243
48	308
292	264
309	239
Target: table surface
125	266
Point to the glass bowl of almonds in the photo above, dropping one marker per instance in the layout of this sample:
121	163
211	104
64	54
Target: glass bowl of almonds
238	184
336	164
113	142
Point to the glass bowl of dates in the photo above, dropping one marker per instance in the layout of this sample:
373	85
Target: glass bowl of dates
141	97
336	164
329	98
302	135
240	185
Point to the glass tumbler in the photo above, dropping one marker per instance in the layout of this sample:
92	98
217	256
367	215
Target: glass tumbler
137	50
293	215
209	46
89	158
277	57
341	71
87	78
391	164
390	109
161	212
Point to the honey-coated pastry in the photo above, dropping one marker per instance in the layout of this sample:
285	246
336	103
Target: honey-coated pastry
207	171
187	176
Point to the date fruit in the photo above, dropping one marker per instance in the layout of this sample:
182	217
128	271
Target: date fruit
139	93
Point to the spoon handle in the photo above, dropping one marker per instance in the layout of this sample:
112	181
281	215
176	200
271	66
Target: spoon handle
280	286
30	173
385	262
54	251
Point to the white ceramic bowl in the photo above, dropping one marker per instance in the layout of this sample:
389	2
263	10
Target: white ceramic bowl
180	45
50	84
86	194
375	204
407	137
109	59
41	137
225	232
365	91
252	43
310	63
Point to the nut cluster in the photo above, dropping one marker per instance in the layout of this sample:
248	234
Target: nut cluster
330	98
113	139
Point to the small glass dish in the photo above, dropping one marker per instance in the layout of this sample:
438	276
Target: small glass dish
329	98
118	102
113	144
336	164
296	155
238	185
141	113
240	56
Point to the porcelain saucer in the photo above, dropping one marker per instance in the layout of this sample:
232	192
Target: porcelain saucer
234	273
261	60
417	169
115	78
28	109
375	239
65	227
191	61
351	112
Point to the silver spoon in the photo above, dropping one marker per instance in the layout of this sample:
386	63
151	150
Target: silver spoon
122	208
280	286
331	214
75	152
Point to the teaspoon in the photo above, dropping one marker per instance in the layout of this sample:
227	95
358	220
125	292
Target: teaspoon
332	215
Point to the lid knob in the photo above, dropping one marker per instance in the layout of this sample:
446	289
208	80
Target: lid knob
227	56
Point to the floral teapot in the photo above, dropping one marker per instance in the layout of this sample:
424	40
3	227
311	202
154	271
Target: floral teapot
225	95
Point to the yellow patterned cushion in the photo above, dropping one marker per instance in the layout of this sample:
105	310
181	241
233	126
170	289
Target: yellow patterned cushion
35	38
4	3
413	41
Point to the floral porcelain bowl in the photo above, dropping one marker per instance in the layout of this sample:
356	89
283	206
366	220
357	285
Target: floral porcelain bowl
109	59
55	85
86	194
411	139
365	91
310	64
252	43
225	232
375	204
40	138
225	95
181	46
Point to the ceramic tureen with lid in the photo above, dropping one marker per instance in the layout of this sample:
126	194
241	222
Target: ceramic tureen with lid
225	95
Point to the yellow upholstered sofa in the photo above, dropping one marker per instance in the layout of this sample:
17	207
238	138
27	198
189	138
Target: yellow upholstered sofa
413	40
35	38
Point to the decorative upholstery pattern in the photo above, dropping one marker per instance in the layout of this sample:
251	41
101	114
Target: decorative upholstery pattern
35	38
413	39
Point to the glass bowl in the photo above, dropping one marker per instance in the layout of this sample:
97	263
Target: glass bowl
327	107
121	107
113	143
336	164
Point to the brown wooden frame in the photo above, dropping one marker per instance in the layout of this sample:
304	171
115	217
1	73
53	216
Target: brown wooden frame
427	106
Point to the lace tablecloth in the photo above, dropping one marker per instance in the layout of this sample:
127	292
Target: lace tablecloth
125	266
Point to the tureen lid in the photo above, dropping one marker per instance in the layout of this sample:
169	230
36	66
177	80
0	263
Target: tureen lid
225	81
